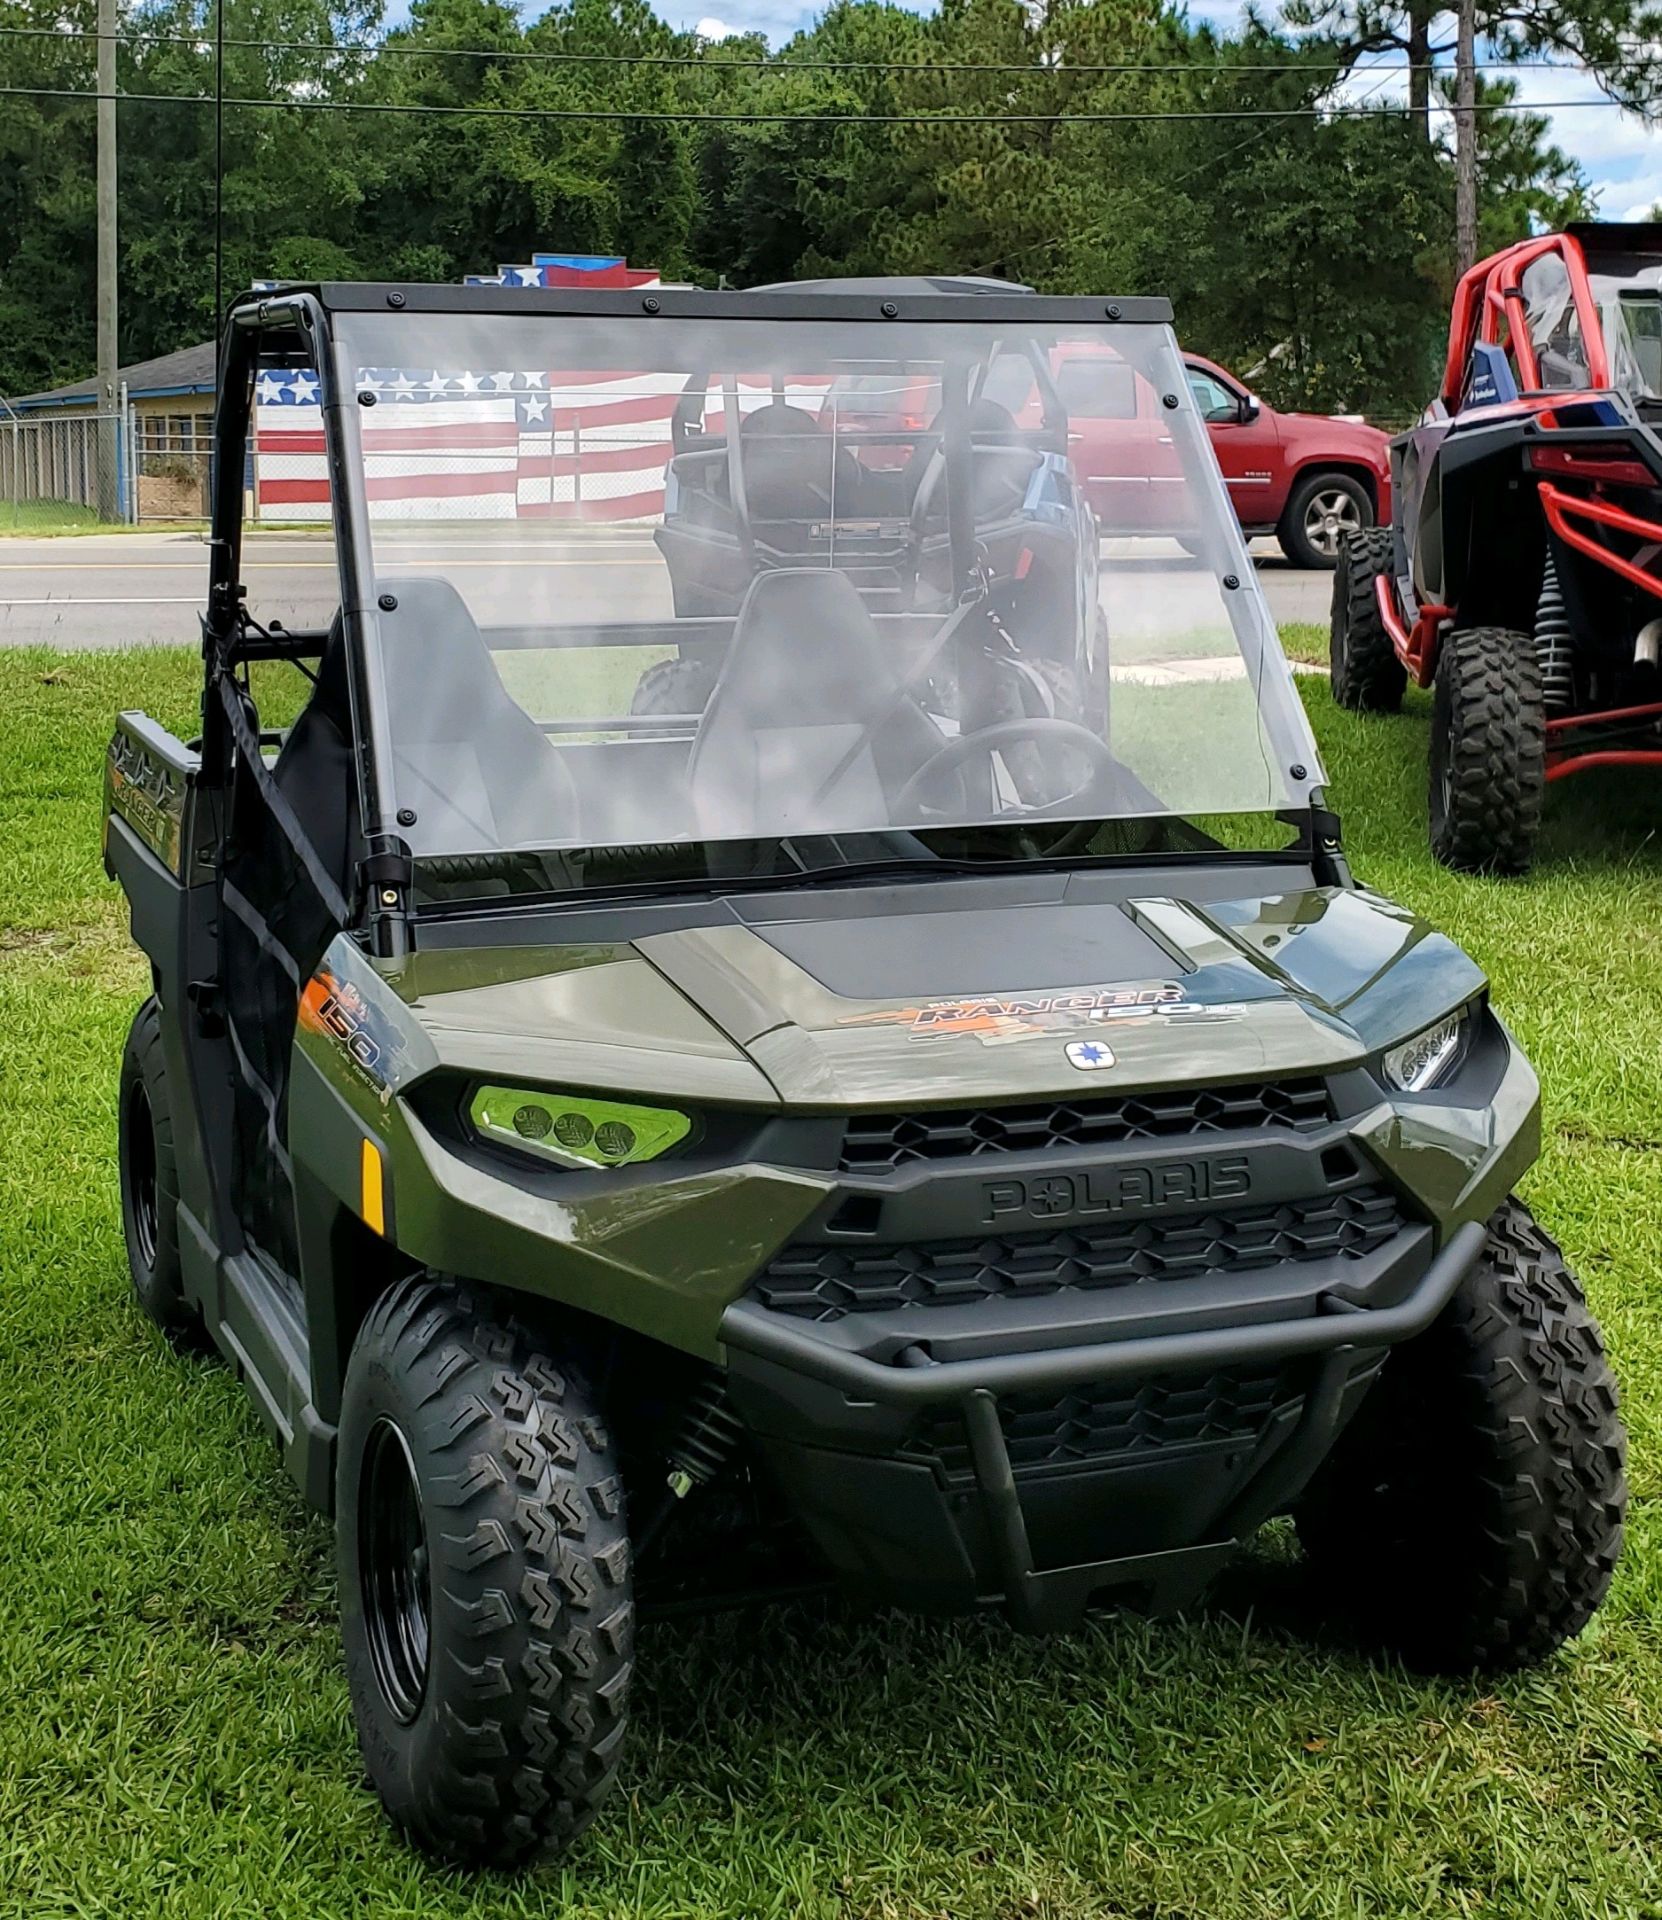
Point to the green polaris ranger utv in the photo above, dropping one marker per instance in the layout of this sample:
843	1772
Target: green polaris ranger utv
897	1063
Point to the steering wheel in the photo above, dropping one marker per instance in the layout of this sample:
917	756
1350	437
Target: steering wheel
1104	774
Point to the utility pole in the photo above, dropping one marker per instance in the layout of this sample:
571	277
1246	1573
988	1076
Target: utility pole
1465	138
108	355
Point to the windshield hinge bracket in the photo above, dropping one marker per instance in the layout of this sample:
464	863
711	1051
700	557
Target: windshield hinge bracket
385	876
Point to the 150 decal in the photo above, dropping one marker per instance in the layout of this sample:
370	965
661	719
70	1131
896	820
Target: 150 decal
336	1009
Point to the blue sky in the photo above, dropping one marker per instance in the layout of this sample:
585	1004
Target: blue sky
1618	153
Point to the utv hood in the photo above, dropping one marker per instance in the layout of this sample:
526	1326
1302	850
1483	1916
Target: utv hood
950	992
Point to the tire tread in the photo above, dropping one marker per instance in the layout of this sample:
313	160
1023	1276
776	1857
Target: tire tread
1472	1513
1365	674
1490	723
531	1573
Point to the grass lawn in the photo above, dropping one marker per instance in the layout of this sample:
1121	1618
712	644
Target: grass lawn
48	516
174	1731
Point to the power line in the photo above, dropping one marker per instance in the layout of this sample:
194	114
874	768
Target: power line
1338	110
783	64
1183	179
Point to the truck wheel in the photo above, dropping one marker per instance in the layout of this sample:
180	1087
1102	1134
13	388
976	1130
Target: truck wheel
674	687
486	1599
150	1181
1488	751
1367	676
1324	510
1471	1514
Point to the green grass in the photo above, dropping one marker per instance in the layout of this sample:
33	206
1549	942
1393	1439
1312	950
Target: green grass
48	516
1303	640
174	1731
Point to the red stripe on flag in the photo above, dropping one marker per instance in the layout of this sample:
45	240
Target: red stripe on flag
595	460
439	486
292	492
291	440
597	413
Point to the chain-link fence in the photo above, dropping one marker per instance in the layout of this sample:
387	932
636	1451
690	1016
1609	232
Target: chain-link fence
63	472
171	455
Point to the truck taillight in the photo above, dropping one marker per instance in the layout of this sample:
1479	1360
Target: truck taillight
1592	463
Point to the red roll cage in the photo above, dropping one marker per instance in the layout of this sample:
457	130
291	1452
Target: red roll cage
1489	307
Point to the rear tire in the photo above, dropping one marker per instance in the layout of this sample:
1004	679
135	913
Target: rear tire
1471	1514
674	687
1323	511
486	1588
150	1182
1367	676
1488	752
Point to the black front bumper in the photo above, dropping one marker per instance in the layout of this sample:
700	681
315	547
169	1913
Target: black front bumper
850	1415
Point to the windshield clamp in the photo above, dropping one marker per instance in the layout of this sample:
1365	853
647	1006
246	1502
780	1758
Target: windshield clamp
1327	851
385	876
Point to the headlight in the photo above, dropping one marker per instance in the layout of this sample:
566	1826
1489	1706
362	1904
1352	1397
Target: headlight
572	1130
1423	1061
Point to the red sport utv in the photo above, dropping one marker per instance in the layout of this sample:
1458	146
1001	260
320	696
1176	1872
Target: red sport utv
1523	579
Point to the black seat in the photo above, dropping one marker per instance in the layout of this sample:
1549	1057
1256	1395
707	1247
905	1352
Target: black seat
793	468
314	770
476	767
807	730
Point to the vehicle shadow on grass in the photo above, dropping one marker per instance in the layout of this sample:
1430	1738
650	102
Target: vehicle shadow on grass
830	1678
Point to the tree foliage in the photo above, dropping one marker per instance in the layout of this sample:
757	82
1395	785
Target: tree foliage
1309	249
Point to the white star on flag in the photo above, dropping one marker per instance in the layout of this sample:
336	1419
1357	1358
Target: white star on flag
270	389
305	389
469	383
535	407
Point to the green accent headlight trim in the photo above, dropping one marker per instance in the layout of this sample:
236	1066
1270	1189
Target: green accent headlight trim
572	1130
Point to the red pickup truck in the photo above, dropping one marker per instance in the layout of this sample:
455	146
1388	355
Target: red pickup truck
1307	478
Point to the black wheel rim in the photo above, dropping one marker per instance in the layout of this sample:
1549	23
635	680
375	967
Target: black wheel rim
393	1569
141	1175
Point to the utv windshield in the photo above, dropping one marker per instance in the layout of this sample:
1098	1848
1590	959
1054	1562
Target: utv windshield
685	595
1627	298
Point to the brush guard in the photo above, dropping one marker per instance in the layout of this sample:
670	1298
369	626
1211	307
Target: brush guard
1338	1337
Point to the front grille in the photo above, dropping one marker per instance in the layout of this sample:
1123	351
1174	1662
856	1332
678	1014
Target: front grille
1097	1423
880	1142
818	1282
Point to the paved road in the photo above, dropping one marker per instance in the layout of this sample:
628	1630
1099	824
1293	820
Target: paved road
146	589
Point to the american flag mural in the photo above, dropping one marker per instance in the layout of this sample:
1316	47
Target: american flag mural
481	444
446	444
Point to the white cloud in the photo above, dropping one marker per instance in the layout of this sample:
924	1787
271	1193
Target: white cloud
712	29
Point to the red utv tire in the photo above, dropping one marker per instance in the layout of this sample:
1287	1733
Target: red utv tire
674	687
1488	751
1366	675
